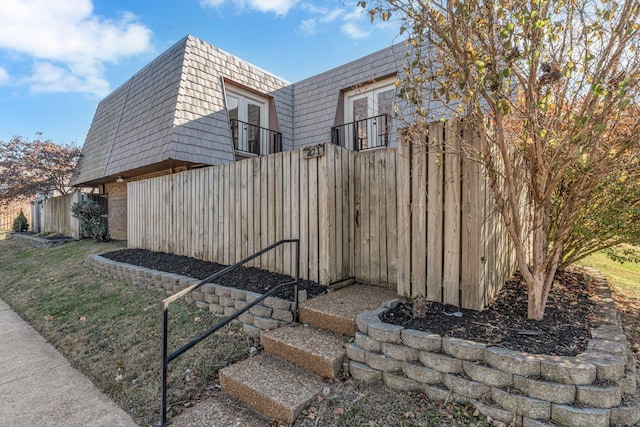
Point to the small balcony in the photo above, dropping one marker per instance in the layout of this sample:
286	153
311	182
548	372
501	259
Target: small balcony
254	140
365	134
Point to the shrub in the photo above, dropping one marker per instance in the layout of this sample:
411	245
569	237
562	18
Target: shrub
90	215
20	223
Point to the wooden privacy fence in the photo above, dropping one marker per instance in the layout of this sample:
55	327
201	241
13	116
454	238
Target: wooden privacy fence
225	213
419	217
453	246
55	215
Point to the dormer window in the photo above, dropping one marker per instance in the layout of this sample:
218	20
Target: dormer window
248	121
368	111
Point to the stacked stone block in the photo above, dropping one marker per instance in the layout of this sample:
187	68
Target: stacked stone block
220	300
599	387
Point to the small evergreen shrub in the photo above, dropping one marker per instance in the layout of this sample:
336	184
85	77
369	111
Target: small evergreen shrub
90	214
20	223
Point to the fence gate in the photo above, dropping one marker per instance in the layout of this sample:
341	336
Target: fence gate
375	231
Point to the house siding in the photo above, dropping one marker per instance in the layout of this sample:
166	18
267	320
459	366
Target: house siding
174	109
201	109
316	99
132	126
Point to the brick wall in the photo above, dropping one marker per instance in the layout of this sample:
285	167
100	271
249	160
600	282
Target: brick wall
117	199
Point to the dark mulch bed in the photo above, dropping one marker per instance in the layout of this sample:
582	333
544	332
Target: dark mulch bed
247	278
570	313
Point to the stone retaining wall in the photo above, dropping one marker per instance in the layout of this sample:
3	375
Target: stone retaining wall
218	299
596	388
39	242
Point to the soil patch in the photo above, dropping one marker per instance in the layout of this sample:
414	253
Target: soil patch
246	278
571	312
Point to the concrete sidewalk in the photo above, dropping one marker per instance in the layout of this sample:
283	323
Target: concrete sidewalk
38	386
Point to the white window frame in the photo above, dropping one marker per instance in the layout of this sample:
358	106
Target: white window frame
369	92
245	98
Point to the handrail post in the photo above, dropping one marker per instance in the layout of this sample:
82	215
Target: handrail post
295	287
166	358
165	324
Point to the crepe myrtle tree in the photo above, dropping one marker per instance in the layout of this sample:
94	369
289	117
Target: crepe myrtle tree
31	167
552	88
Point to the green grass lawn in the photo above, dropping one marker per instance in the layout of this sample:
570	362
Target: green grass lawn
624	279
626	275
110	329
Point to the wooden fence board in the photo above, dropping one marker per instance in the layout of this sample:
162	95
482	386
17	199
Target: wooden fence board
435	194
403	172
472	210
278	209
295	204
347	215
264	203
351	211
243	167
304	215
419	216
383	221
451	272
374	212
257	210
338	196
313	220
326	215
402	216
392	221
287	252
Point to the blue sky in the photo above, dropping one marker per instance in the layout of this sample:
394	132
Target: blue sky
58	59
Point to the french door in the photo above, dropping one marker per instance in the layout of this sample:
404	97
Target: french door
248	115
368	111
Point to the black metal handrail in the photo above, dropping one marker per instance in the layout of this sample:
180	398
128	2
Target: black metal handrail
248	138
372	132
166	358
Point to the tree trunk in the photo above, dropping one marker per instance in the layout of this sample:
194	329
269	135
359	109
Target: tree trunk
536	280
535	296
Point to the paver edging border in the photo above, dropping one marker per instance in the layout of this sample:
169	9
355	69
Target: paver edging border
507	378
39	242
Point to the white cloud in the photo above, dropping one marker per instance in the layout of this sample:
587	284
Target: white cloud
308	27
69	44
4	76
354	23
353	31
279	7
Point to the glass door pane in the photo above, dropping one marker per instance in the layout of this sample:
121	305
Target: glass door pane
385	106
233	111
360	112
254	114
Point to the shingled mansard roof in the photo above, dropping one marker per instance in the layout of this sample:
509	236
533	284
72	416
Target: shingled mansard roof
171	113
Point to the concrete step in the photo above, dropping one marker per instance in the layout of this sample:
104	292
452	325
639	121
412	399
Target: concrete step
336	311
270	386
316	350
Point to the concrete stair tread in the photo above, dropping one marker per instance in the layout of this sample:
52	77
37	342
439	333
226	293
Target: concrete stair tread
336	311
317	350
270	386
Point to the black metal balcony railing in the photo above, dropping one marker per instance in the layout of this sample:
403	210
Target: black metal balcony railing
372	132
249	138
